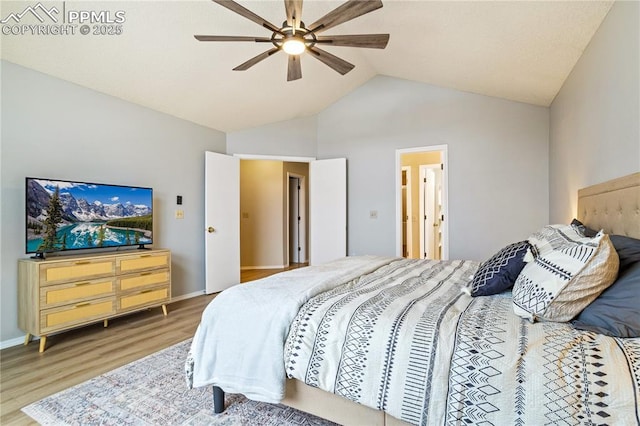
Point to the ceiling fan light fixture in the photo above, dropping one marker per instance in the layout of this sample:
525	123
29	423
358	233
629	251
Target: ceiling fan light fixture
294	38
293	46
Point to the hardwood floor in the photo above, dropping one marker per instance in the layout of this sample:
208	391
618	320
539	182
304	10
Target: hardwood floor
78	355
256	274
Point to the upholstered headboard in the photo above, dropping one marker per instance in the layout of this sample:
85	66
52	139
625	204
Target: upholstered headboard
613	206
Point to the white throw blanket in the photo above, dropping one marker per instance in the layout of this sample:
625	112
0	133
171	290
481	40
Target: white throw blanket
239	344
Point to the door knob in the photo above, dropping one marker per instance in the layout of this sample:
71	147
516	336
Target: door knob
210	229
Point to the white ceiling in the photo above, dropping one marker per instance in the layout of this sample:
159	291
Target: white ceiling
517	50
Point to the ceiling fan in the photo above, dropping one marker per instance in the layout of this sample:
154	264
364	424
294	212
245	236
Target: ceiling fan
294	38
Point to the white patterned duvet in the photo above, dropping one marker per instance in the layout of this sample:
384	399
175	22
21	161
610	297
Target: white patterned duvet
406	340
399	335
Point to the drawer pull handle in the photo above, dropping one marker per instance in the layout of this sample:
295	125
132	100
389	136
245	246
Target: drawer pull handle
80	305
146	291
145	273
145	255
84	283
83	262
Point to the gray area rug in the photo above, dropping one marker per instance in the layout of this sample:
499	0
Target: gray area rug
152	391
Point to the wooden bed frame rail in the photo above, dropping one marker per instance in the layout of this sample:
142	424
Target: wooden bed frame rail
323	404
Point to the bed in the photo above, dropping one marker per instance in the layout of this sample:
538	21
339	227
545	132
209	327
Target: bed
389	341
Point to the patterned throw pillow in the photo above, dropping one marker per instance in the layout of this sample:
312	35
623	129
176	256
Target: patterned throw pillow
569	271
499	272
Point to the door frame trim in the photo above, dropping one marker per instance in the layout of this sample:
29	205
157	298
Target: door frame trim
443	149
409	206
284	158
303	214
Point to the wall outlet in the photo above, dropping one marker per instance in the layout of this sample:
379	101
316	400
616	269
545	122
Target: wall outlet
179	214
373	214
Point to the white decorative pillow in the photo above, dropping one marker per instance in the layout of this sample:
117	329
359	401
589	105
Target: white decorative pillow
567	273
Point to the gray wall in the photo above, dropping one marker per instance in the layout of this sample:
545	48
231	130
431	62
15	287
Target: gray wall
595	130
498	162
55	129
295	138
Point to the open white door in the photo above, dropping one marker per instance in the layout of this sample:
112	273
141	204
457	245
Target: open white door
222	221
327	210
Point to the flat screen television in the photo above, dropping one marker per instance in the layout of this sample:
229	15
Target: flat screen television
66	215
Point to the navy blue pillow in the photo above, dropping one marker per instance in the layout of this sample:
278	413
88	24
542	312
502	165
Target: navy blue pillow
499	273
616	312
587	232
628	250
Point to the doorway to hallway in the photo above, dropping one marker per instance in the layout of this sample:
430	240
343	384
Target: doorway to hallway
421	203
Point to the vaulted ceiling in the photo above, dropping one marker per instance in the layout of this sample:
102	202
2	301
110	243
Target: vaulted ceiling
517	50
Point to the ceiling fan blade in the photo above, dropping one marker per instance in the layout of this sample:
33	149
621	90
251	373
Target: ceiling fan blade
346	12
294	13
294	70
251	62
241	10
340	65
372	41
231	38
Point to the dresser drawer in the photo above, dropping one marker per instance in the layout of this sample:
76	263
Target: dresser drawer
62	293
139	299
76	270
141	262
70	315
74	293
142	279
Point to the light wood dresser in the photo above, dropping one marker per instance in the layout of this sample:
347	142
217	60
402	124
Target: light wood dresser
65	292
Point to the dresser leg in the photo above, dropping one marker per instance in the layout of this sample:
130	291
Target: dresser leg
164	310
27	339
43	342
106	323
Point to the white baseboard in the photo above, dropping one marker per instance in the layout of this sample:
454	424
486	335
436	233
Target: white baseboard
20	340
14	342
187	296
244	268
